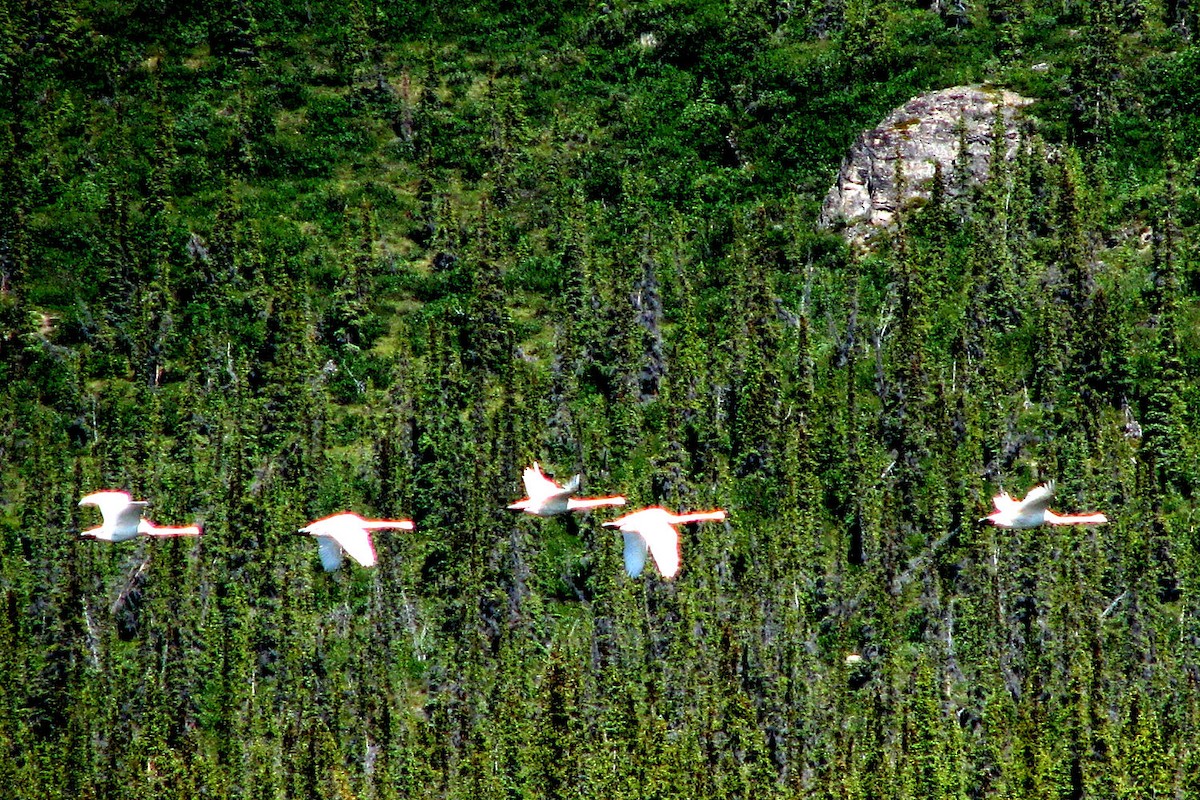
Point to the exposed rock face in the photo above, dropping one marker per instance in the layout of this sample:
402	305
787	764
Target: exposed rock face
925	131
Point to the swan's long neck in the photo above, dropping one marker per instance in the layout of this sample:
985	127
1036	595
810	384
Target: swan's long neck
402	524
150	529
699	516
1075	519
584	503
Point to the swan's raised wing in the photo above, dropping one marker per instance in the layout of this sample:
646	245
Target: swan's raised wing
537	485
1003	502
1038	499
129	517
330	552
112	505
122	515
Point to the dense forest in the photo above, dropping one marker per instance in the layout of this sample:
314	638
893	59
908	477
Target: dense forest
265	261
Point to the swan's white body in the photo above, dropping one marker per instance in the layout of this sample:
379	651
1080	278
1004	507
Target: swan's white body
122	519
546	498
1034	510
652	529
348	533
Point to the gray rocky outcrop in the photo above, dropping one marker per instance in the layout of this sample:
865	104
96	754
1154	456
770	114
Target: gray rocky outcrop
926	131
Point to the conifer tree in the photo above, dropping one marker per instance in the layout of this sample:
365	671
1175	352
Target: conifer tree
355	54
14	236
858	540
992	284
234	31
1145	759
905	395
154	327
1097	76
577	326
348	313
158	202
757	386
1162	406
490	329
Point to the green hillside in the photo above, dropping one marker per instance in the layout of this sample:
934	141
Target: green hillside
264	262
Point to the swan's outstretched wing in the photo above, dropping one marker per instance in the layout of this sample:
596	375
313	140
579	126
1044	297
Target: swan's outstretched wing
635	553
1038	499
355	541
345	533
663	540
330	552
649	530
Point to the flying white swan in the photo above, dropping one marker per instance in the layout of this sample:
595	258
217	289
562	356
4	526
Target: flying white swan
1034	510
348	533
546	498
653	529
122	517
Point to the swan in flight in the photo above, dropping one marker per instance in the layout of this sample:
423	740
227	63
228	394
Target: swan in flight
348	533
546	498
653	529
1034	510
122	519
